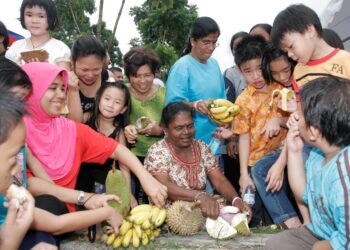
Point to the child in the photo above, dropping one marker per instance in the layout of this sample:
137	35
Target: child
39	18
109	116
260	135
322	121
298	31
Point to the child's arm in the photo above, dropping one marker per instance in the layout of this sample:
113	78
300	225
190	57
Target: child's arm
36	167
48	222
16	224
243	149
275	175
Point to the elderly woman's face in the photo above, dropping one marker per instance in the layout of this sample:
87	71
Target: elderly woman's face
54	97
180	130
143	80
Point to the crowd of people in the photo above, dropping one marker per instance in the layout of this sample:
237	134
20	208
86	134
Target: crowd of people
66	118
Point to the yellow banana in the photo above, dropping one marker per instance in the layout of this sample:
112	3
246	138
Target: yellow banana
146	224
222	102
144	239
148	232
218	110
156	232
141	208
155	213
126	225
151	237
234	110
161	218
135	239
221	116
138	230
127	238
140	217
118	241
285	94
110	239
227	120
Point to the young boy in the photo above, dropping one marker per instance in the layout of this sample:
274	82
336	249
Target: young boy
298	31
260	134
322	121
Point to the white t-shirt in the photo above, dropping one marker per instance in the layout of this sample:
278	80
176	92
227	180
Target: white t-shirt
58	51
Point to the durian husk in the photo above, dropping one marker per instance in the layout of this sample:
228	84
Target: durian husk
184	218
220	229
142	122
117	184
240	223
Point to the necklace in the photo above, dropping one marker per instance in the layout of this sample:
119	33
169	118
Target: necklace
40	44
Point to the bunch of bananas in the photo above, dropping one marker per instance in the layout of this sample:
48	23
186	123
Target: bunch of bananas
141	226
222	111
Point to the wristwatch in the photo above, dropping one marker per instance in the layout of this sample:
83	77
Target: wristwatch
81	198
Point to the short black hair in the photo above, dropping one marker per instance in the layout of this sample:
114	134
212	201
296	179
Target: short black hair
12	75
115	69
12	112
201	27
172	109
332	38
249	48
138	57
4	33
270	54
265	26
86	46
50	8
295	18
235	36
325	104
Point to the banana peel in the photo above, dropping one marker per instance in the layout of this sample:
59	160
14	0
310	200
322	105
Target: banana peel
285	95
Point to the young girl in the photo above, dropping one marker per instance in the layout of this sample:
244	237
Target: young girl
39	18
109	116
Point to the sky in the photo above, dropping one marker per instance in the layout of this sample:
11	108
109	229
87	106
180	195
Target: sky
231	15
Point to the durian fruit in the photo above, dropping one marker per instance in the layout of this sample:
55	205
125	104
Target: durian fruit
117	184
240	223
185	219
220	229
142	122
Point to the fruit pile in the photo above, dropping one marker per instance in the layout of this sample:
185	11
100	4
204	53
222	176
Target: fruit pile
141	226
222	111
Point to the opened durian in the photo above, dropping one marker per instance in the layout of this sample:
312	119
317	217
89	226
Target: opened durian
184	218
220	229
142	122
117	184
240	223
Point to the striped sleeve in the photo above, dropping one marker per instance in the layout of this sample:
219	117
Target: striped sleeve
340	238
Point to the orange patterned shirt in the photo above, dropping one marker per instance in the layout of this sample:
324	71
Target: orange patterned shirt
255	113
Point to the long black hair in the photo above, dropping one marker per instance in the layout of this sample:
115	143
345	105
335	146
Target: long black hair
121	120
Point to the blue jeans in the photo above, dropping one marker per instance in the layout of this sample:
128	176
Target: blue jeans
277	204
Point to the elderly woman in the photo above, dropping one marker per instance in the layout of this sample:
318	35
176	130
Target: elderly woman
61	145
147	100
182	163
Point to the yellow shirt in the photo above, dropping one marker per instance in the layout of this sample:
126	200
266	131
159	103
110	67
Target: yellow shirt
254	115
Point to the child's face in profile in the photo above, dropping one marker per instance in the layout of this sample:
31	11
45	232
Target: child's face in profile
35	20
298	46
251	71
8	152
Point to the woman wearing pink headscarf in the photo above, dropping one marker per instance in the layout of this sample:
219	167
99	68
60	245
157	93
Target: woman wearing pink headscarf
61	145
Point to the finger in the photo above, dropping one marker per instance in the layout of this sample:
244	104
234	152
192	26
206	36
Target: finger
12	212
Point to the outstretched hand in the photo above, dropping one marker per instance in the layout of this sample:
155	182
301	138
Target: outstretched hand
155	190
100	200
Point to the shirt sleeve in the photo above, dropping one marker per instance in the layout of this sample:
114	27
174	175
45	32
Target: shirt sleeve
242	121
177	84
96	148
63	54
157	161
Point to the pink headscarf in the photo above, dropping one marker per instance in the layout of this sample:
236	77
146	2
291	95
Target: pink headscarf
51	139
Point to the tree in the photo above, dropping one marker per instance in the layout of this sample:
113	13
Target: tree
74	22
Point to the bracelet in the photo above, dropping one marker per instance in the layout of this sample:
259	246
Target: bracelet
234	200
195	104
195	199
89	198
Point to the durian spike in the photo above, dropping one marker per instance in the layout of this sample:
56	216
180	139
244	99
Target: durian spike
195	204
113	166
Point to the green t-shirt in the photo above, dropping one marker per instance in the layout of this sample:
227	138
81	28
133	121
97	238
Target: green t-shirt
151	108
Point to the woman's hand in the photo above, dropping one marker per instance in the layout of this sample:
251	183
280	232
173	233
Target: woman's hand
100	200
244	182
201	106
151	129
115	219
272	128
223	133
73	81
275	177
155	190
130	132
209	206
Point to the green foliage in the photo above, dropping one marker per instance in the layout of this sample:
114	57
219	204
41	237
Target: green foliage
74	22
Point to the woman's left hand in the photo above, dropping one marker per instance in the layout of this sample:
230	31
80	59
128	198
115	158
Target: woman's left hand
155	190
201	106
152	129
100	200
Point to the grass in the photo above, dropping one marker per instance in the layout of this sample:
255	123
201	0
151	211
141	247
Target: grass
266	229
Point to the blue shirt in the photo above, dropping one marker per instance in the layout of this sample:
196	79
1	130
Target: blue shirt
327	195
189	80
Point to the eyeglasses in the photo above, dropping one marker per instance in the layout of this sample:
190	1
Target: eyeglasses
209	43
